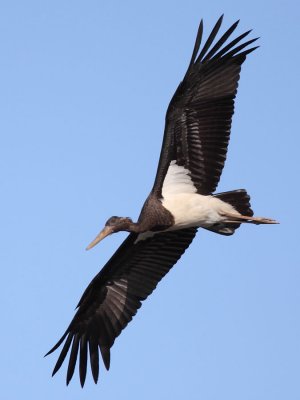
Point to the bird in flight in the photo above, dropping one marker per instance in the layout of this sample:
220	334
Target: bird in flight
196	136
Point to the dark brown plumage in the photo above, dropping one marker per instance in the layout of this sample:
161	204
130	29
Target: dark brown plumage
198	119
198	123
115	294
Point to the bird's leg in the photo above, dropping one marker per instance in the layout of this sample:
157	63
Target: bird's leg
232	218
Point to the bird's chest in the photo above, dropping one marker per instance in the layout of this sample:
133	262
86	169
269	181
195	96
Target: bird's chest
155	217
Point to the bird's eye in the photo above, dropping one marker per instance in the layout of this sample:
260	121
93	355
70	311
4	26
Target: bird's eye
112	221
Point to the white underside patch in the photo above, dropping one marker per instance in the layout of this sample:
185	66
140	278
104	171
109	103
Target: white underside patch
188	207
192	209
177	180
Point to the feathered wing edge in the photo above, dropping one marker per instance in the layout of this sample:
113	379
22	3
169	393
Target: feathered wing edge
227	52
209	57
114	296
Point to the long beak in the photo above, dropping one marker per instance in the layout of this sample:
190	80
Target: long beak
105	232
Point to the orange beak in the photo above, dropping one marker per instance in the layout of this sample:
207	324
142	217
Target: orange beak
107	230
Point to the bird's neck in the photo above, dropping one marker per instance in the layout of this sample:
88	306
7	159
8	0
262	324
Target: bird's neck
135	227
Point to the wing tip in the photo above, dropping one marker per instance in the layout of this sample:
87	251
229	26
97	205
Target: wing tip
207	53
105	353
56	346
94	359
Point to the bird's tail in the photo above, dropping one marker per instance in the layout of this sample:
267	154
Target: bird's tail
240	200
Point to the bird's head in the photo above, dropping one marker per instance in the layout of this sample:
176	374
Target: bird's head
113	224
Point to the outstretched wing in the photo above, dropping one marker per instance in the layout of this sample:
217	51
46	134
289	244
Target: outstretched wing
115	294
198	120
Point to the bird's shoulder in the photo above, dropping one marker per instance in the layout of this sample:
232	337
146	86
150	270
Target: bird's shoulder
154	216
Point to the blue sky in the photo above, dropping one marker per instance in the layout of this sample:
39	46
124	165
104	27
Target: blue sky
84	89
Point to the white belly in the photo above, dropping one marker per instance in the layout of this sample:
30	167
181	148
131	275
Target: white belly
192	209
179	196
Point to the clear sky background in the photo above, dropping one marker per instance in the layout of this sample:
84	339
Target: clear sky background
84	86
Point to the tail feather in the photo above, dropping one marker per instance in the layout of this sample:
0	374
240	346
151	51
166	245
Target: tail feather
240	200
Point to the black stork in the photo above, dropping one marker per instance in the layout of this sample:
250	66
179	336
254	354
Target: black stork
197	130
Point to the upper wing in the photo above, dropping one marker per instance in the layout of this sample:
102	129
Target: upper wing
198	120
115	294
